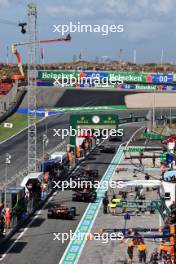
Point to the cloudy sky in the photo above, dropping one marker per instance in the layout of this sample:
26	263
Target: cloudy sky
149	27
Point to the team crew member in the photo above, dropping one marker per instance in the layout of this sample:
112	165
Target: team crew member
78	152
141	155
154	160
163	248
7	217
142	252
163	169
130	251
105	204
69	158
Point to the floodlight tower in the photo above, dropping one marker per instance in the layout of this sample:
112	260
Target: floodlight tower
32	61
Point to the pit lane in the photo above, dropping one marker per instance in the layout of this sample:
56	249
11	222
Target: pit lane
37	244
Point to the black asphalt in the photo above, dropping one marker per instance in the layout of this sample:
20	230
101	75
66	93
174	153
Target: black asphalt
72	98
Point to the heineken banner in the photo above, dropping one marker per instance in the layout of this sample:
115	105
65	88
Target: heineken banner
148	87
141	77
96	75
53	75
104	77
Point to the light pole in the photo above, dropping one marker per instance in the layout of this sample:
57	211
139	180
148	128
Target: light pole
154	106
7	162
45	142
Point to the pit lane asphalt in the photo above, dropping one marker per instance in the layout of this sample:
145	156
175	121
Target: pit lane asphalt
17	146
37	246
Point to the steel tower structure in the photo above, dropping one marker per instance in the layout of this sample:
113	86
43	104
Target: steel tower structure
31	90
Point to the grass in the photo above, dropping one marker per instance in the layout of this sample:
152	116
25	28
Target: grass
19	122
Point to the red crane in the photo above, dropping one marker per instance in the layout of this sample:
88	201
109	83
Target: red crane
18	56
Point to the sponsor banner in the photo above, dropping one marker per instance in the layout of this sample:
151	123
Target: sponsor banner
53	75
127	77
148	87
94	75
169	88
140	77
39	112
138	86
162	78
111	77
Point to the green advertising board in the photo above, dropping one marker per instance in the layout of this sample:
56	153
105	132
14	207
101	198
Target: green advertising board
92	122
134	149
53	75
153	136
127	77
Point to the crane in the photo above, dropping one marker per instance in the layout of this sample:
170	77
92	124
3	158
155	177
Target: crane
18	56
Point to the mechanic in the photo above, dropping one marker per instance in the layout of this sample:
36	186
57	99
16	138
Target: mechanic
7	217
141	154
142	252
85	190
105	204
2	224
163	248
130	249
78	152
69	158
154	256
154	160
113	202
163	169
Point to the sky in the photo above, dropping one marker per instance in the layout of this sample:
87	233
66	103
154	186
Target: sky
149	26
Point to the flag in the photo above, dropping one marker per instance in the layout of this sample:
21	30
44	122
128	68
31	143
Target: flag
81	54
42	53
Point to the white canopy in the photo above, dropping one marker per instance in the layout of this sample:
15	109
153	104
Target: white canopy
30	176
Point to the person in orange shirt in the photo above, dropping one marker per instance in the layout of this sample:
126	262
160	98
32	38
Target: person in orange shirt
130	251
78	152
142	252
7	217
69	157
163	248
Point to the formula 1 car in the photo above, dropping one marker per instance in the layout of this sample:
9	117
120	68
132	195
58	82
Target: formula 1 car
115	138
84	196
107	149
92	173
82	183
62	212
